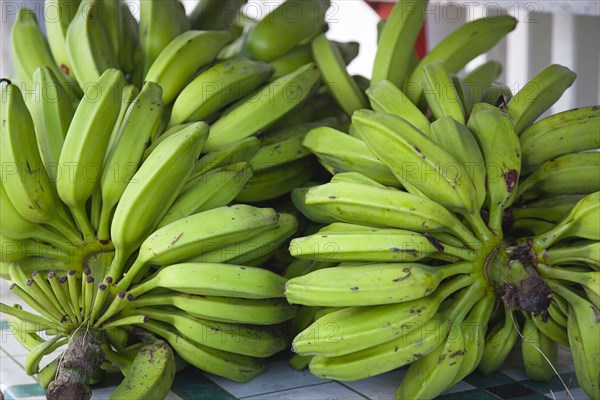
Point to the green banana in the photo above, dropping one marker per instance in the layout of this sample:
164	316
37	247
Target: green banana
85	145
291	61
151	372
33	359
260	246
354	329
538	95
90	48
14	226
478	80
224	309
152	188
559	134
195	234
26	34
398	352
24	178
139	125
215	14
588	280
177	63
551	329
59	14
239	151
584	340
274	99
51	114
337	79
339	152
461	143
215	188
277	181
236	367
441	94
458	48
376	245
587	253
249	340
431	374
369	284
219	86
570	174
552	209
384	96
285	27
539	352
499	341
501	151
160	23
392	60
209	279
474	328
415	159
378	207
581	222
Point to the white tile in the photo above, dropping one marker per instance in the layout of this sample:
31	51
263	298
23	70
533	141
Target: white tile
325	391
380	387
12	374
278	376
10	344
578	394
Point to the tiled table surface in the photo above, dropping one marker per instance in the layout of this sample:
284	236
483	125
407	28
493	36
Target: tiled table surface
280	382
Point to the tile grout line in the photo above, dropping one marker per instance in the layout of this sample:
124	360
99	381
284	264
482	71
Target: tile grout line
283	390
355	391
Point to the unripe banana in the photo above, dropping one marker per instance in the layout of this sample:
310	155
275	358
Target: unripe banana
571	174
151	373
567	132
441	94
392	60
335	76
386	97
224	309
52	114
182	57
276	33
89	44
339	152
154	187
208	279
498	343
501	151
461	143
24	178
378	207
216	188
458	48
160	23
217	87
273	100
56	31
539	94
369	284
139	126
85	145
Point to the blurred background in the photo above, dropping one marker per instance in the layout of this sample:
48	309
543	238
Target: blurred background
566	32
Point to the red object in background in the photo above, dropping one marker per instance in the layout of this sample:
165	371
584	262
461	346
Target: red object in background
384	9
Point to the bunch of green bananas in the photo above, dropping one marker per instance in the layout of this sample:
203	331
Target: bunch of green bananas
453	225
121	224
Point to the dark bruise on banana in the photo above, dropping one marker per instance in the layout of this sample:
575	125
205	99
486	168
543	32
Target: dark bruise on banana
456	222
